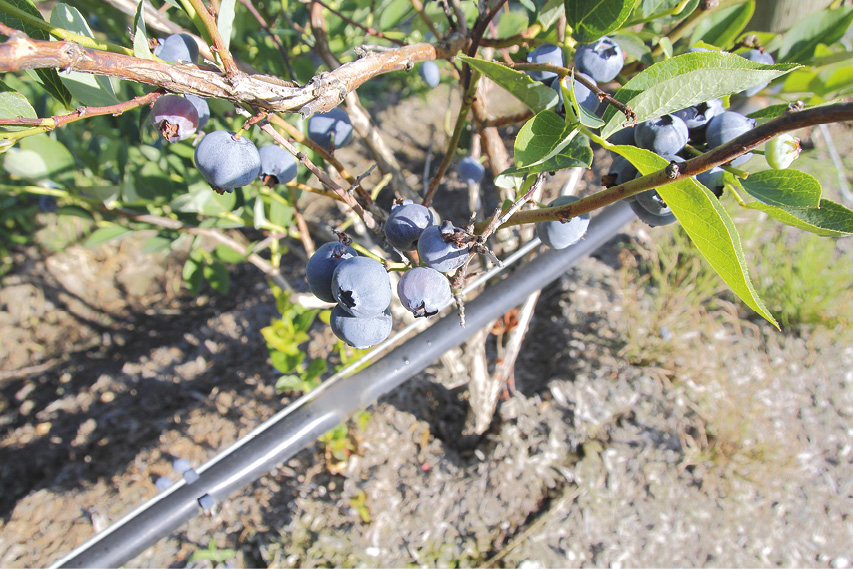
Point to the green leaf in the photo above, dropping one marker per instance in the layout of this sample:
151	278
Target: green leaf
48	78
227	254
591	20
784	188
577	154
217	275
707	224
14	105
281	213
105	234
541	138
89	89
685	80
575	112
829	220
648	10
204	201
288	383
156	243
534	94
826	27
722	27
550	12
40	158
140	37
393	13
512	22
225	21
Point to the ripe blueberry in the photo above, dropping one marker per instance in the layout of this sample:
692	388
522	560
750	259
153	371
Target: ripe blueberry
602	59
430	73
470	170
227	162
424	291
621	170
321	266
547	53
278	166
586	98
177	47
406	223
713	180
697	117
438	249
335	124
757	56
361	286
624	136
360	332
728	126
559	235
651	208
663	135
201	107
175	116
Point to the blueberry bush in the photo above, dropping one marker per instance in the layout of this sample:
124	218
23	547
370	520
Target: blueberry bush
199	120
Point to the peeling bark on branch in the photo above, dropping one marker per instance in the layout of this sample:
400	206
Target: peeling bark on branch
266	92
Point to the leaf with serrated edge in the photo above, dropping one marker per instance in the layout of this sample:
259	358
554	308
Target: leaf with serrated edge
784	188
534	94
686	80
592	19
829	220
706	222
542	137
89	89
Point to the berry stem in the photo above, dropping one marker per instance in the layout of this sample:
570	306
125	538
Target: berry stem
205	14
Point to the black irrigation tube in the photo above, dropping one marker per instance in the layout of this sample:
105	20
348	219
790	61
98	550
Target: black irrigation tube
289	432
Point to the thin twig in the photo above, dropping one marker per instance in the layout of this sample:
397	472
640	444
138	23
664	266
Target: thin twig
507	120
285	56
206	15
419	8
369	31
304	234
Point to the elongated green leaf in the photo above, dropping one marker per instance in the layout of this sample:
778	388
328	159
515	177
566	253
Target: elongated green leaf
577	154
140	36
105	234
13	105
541	138
217	275
707	223
534	94
549	13
40	158
591	19
204	201
89	89
724	26
826	27
48	78
685	80
829	220
648	10
785	188
225	20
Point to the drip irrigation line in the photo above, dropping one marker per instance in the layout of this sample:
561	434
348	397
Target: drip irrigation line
300	424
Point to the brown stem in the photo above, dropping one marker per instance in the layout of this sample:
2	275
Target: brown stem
206	15
365	29
525	39
840	112
467	100
419	8
85	112
323	93
285	55
508	119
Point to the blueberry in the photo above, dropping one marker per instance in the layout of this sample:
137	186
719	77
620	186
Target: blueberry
437	249
323	127
621	170
48	204
175	116
663	135
757	56
424	291
728	126
227	162
602	59
177	47
698	116
780	152
361	286
586	98
360	332
406	223
430	73
547	53
624	136
559	235
713	180
181	465
470	170
651	208
201	107
162	483
278	166
321	266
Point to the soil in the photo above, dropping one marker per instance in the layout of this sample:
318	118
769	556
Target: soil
731	446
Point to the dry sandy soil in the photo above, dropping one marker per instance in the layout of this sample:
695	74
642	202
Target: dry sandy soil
728	445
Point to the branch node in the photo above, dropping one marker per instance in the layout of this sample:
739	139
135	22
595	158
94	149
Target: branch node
672	170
